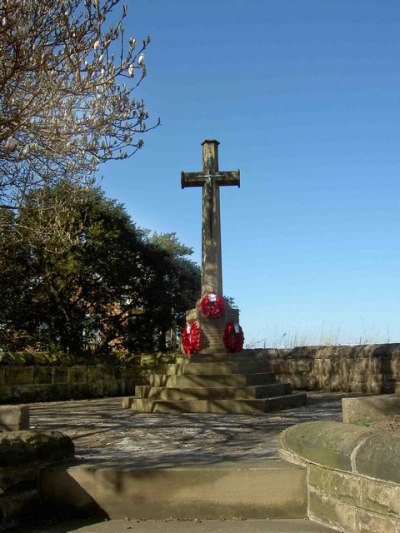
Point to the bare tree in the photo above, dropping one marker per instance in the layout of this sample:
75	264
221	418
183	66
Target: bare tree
66	82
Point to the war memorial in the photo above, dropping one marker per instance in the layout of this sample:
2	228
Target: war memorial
214	441
216	377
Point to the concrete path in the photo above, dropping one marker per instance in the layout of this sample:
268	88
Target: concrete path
107	435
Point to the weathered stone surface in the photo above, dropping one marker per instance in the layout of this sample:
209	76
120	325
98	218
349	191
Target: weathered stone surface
331	512
329	444
367	522
42	374
271	489
18	375
361	493
227	385
379	457
220	393
338	485
14	417
233	406
17	507
365	411
46	383
20	447
20	476
368	368
217	380
379	496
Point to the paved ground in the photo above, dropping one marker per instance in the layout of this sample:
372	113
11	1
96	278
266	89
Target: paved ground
106	434
185	526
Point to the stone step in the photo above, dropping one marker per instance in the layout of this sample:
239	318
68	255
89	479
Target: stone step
222	367
198	393
222	525
233	406
225	367
259	489
221	357
222	380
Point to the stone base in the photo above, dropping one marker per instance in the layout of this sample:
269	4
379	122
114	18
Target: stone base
231	384
212	329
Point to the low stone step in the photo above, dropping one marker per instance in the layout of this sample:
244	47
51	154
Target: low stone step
225	367
221	357
259	489
201	393
217	368
233	406
222	380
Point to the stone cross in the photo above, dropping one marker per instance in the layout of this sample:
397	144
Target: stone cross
211	179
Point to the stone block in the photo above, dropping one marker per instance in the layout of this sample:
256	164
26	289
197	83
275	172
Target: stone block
18	375
367	522
331	512
323	366
380	497
17	477
14	417
299	365
77	375
369	410
126	403
60	375
378	456
338	485
21	447
303	381
42	374
19	507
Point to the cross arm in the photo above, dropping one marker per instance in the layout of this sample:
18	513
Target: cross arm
228	177
198	179
192	179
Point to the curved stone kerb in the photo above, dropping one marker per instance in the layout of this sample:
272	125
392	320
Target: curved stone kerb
360	450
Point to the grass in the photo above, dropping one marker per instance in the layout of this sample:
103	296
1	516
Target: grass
276	337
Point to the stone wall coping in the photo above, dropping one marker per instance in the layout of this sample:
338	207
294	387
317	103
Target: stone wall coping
329	351
21	447
370	409
371	452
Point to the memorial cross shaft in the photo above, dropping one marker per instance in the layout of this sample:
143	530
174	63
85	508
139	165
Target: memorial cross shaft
211	179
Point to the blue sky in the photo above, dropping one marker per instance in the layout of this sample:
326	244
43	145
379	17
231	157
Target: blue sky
304	97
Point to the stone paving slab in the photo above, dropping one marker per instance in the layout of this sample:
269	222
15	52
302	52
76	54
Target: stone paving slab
106	434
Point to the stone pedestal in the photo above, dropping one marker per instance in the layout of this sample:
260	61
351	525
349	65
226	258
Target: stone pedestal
212	329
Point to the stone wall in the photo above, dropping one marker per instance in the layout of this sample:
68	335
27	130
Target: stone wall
366	368
373	368
51	383
353	474
23	454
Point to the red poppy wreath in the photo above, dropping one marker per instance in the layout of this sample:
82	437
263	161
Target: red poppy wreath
191	337
233	337
212	306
